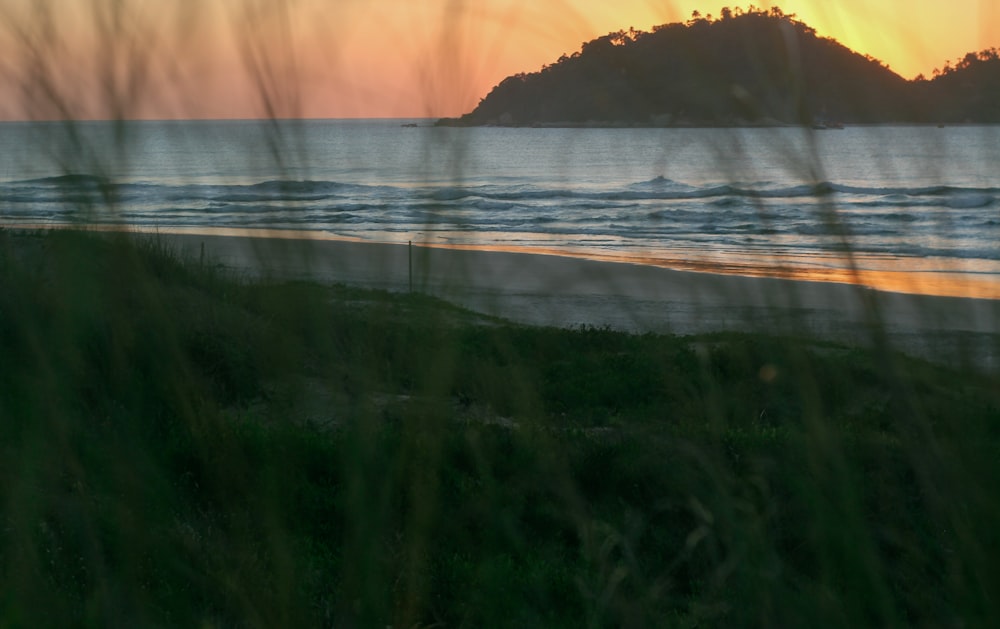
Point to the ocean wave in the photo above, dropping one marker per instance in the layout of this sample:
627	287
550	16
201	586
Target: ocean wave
652	212
727	201
94	188
728	194
969	200
658	181
899	217
79	180
285	190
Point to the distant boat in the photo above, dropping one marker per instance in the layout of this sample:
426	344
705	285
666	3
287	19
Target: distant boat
411	125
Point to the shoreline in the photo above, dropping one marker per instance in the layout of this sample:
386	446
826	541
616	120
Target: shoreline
884	275
562	291
546	289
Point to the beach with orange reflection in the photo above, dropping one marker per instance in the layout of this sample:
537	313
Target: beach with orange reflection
949	321
887	274
555	288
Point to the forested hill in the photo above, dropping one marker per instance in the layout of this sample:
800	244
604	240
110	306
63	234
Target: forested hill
753	67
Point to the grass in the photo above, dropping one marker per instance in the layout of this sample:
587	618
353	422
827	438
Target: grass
184	449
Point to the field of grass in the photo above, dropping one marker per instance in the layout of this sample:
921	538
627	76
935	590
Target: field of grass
180	448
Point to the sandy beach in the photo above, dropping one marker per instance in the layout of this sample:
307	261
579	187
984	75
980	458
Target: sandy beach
553	290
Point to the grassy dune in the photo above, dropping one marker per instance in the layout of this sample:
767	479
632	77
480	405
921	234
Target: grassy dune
181	448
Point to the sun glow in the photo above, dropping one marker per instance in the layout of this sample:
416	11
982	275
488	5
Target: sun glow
389	58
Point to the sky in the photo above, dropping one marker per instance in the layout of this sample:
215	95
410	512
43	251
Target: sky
378	58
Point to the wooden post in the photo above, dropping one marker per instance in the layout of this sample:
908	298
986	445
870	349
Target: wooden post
409	251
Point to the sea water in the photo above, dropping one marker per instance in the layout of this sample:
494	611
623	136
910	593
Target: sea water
921	201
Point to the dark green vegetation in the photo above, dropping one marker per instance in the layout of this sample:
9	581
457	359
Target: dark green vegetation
752	67
180	449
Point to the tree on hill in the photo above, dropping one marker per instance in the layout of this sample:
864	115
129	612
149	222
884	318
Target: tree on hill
968	91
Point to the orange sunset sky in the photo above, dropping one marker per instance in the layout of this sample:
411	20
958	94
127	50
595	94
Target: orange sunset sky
378	58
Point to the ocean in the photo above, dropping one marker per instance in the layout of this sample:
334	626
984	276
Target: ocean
911	208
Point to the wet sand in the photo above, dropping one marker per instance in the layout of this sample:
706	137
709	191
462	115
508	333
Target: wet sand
564	291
